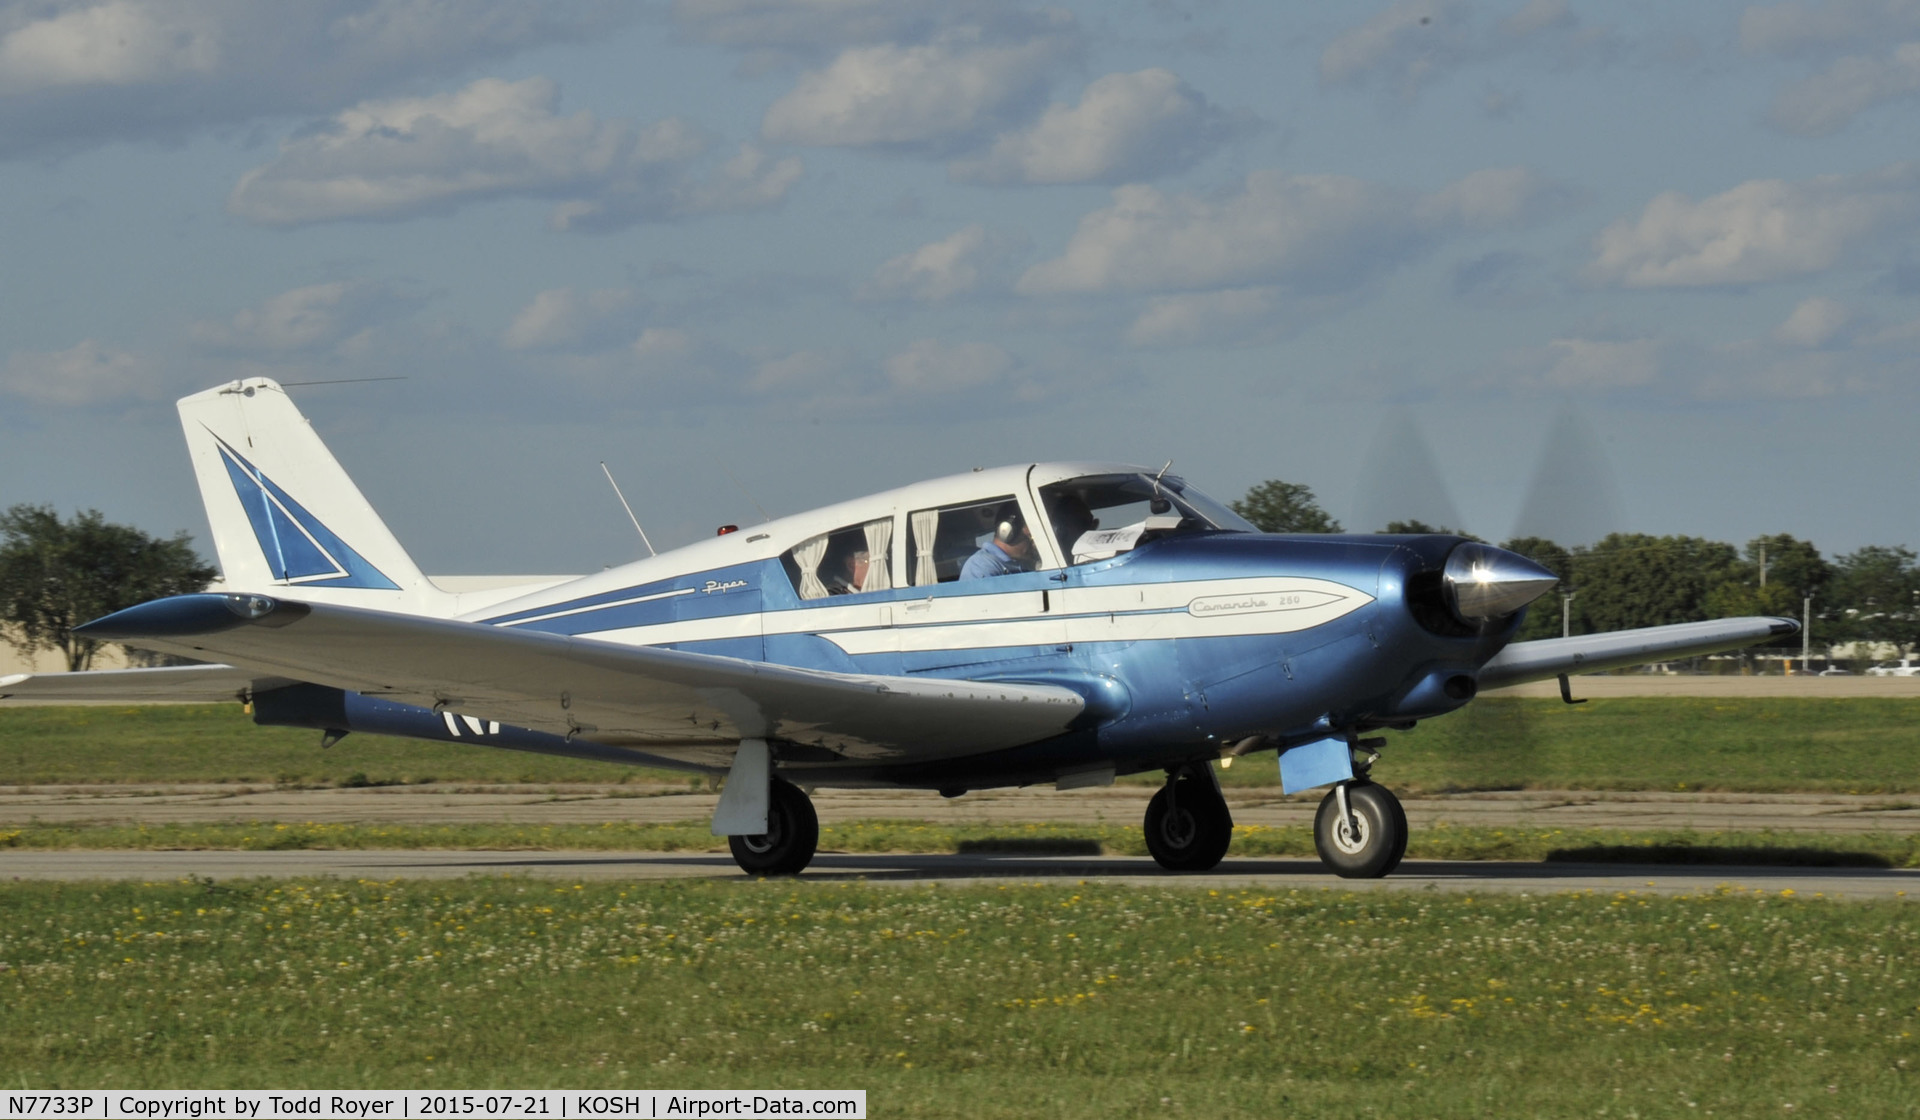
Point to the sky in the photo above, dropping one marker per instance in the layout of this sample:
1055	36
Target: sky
1538	266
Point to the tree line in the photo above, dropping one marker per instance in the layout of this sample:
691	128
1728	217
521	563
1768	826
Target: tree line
57	573
1628	580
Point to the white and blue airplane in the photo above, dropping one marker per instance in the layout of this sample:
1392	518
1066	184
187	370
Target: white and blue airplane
1057	623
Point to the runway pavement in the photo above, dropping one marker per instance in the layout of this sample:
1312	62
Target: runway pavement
1262	874
1798	812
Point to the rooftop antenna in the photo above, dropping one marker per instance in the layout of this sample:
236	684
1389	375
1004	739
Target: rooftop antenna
628	508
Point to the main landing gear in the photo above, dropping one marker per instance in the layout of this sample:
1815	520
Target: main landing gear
792	836
1360	830
1188	825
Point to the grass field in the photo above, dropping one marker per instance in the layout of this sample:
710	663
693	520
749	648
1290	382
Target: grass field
977	1002
1865	745
1470	843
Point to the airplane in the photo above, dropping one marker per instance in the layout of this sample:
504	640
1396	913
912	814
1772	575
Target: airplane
1048	622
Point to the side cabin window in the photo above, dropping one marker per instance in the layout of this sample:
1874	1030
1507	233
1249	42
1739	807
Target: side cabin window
847	561
941	541
1098	516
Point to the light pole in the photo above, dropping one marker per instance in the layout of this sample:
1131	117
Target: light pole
1566	613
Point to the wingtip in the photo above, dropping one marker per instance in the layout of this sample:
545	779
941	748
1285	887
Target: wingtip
1782	627
187	615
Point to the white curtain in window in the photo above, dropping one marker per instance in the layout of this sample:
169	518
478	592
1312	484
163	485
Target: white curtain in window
926	522
808	554
879	573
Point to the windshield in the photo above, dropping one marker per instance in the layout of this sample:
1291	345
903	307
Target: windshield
1096	516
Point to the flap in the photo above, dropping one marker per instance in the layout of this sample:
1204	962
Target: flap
182	684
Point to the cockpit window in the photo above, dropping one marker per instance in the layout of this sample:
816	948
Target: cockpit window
1097	516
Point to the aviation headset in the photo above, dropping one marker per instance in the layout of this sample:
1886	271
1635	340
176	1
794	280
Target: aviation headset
1011	525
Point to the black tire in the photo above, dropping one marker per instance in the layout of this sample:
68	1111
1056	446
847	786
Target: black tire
792	836
1382	839
1189	827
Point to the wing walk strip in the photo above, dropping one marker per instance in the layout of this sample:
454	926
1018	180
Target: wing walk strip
1137	612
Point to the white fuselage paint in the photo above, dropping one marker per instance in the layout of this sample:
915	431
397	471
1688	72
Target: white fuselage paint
1127	613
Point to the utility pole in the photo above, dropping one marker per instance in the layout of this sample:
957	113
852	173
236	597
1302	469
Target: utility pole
1806	635
1566	613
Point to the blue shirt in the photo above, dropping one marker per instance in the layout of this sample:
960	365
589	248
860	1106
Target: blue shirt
991	560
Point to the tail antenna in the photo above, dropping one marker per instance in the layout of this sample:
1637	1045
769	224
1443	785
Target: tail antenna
628	508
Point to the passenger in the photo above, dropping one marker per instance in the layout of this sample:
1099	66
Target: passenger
1009	551
852	575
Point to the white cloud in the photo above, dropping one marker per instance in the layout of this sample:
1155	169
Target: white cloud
1814	323
1761	230
1311	232
1801	28
111	44
492	139
1194	317
930	366
1409	42
307	319
935	95
1414	43
1126	127
567	318
75	73
1589	364
1871	50
962	263
1827	102
86	374
803	373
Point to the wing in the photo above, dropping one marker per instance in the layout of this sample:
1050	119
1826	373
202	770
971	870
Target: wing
607	693
1592	653
210	684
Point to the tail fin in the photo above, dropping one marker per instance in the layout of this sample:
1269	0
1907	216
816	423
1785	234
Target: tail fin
284	514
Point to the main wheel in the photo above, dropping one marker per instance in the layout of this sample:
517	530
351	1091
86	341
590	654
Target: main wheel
1372	843
792	836
1188	825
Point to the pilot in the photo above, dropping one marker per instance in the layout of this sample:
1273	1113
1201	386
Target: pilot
852	575
1010	549
1072	519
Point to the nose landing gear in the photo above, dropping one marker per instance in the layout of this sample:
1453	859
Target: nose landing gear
1188	825
792	836
1360	830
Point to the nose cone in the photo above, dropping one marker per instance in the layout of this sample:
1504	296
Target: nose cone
1484	582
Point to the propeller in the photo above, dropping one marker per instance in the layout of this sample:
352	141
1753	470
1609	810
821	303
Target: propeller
1570	500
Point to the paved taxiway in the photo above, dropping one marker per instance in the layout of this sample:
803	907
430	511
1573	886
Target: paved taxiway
1261	874
582	804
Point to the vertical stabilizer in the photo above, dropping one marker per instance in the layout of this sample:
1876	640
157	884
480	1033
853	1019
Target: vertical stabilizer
285	516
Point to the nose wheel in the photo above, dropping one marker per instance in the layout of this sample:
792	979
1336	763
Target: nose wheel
1188	826
792	836
1360	830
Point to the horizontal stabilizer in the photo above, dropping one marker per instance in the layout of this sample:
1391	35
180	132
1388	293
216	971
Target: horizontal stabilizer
176	684
599	691
1593	653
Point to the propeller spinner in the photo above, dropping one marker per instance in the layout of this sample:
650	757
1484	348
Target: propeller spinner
1485	583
